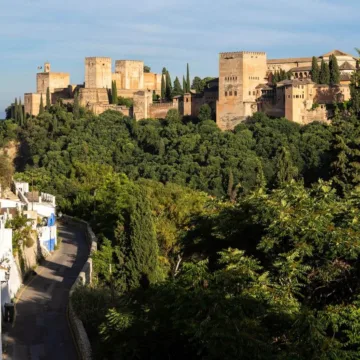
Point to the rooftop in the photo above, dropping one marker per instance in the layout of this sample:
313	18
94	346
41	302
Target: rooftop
347	66
289	60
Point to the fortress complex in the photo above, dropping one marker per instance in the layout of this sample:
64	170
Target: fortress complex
129	76
245	87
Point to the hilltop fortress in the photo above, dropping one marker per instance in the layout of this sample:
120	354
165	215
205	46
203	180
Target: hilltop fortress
244	86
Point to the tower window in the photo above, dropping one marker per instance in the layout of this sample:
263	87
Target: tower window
225	93
230	93
249	92
235	93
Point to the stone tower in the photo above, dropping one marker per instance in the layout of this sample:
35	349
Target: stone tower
239	75
132	74
47	67
98	72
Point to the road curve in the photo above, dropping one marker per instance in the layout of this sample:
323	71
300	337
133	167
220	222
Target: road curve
40	330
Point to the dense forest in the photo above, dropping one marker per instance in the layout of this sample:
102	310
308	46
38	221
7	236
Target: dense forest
213	245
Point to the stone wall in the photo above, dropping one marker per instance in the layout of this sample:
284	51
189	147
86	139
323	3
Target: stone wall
142	103
98	73
132	73
239	75
84	278
32	103
152	82
98	109
93	96
160	110
52	81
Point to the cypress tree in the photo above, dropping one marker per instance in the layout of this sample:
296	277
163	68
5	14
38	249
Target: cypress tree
184	85
168	90
324	77
163	86
114	95
187	79
48	103
16	110
285	170
315	71
76	107
334	71
177	90
137	242
41	108
21	114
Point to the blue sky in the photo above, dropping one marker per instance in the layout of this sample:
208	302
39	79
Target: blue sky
163	33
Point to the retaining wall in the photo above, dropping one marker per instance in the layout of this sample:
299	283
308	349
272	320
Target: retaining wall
84	278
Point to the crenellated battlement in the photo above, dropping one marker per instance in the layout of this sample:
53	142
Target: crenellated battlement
240	54
96	58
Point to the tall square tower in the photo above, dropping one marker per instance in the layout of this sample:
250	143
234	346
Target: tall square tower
239	75
98	73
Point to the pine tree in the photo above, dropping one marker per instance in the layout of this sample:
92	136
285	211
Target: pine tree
114	95
168	90
324	77
334	71
163	86
187	79
177	90
76	107
315	71
41	108
184	85
48	102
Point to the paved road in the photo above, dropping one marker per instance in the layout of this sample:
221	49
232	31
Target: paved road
41	328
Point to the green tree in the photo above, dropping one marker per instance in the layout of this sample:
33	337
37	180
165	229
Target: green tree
197	84
184	85
76	106
16	111
114	94
48	101
324	77
168	89
6	173
41	107
187	79
177	90
204	112
147	69
163	86
285	170
334	71
138	250
315	71
21	114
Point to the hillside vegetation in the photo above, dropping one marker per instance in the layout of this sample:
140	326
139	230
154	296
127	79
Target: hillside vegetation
231	245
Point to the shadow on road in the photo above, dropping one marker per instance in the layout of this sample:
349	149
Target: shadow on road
40	330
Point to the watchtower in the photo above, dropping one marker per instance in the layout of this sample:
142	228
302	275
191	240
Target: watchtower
98	72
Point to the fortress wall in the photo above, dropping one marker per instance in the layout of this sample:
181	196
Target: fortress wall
98	109
159	111
32	103
152	81
51	81
239	75
132	73
93	96
98	73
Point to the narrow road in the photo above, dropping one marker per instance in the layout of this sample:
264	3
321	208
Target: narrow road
40	330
